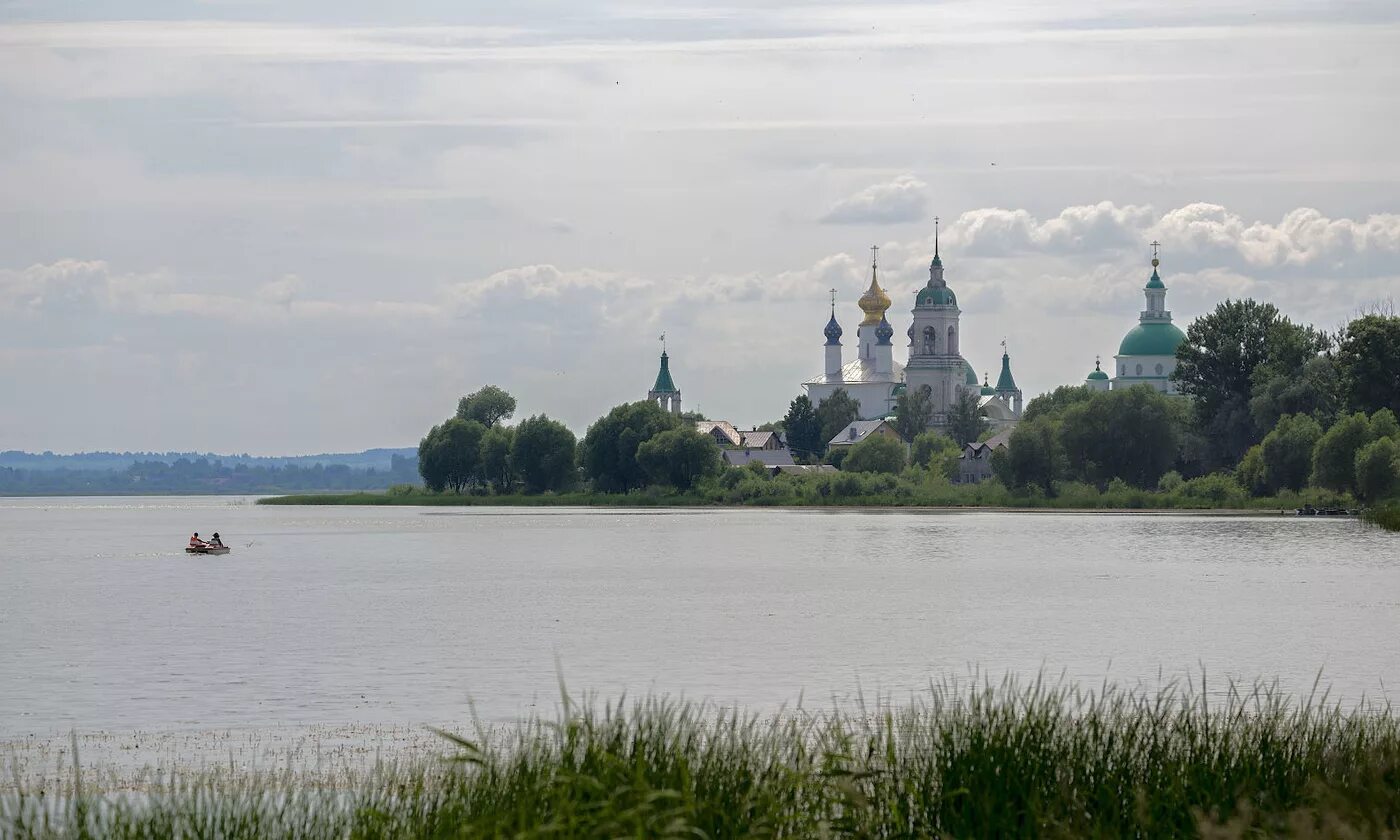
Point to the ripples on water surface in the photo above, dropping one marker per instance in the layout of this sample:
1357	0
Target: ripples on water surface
398	616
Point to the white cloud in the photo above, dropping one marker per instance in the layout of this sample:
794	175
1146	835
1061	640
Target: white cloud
1304	237
902	199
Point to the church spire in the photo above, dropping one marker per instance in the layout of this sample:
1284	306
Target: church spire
664	392
1005	382
937	260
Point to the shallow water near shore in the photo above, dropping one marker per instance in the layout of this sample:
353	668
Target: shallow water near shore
380	618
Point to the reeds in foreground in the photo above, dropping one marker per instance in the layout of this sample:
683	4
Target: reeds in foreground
1008	760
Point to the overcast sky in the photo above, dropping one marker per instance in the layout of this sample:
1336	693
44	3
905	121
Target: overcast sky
283	227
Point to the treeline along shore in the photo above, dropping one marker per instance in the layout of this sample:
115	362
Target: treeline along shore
1272	415
974	760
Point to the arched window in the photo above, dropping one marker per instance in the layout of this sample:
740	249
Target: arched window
930	341
1159	369
1122	370
952	340
1139	370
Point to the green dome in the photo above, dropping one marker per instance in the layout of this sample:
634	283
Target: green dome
936	296
901	388
1155	282
1159	339
988	391
969	375
1098	374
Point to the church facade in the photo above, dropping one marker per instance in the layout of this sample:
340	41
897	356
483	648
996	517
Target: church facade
934	357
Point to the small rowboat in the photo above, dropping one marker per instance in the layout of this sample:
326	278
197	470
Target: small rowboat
208	549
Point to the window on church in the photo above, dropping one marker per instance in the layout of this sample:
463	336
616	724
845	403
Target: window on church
1159	370
930	341
1139	370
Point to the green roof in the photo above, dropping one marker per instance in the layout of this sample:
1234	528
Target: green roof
988	391
1005	382
664	385
969	375
1098	374
1152	339
935	296
1155	282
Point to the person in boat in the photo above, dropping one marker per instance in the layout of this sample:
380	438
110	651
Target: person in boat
215	542
196	542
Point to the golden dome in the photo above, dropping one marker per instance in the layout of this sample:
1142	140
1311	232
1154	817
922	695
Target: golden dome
874	302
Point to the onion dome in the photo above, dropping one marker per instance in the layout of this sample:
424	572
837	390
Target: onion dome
833	330
1098	373
874	302
987	390
884	332
899	389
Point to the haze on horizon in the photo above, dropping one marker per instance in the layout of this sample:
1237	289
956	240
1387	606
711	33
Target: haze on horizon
309	227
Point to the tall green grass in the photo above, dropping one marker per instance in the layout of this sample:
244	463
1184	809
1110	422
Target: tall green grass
1011	760
1386	515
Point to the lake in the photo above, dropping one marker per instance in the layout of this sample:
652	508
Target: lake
328	616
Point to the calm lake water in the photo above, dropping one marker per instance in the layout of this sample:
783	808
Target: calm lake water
400	616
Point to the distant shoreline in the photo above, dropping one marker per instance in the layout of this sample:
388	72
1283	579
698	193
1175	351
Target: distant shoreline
642	501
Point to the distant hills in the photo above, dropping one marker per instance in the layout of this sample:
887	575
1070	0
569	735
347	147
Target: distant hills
376	459
195	473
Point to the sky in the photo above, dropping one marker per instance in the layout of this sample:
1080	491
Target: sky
292	227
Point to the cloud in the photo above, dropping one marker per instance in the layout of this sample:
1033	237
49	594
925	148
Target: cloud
1081	229
1304	237
1198	234
573	340
900	200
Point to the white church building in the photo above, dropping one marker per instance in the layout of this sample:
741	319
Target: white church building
874	379
1147	354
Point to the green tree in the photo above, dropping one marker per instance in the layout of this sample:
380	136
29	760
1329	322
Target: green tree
875	454
804	428
1251	473
495	458
1384	424
1055	402
1315	391
1334	457
608	453
1287	452
1378	470
1368	354
836	413
937	452
678	457
449	457
913	411
1127	434
543	454
487	406
965	421
1034	456
1223	354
